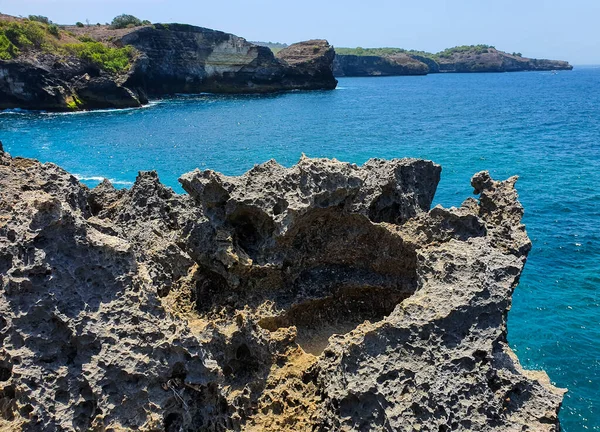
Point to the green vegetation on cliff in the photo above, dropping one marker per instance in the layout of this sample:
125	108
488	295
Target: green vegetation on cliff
110	59
40	18
19	37
382	52
386	52
127	21
475	49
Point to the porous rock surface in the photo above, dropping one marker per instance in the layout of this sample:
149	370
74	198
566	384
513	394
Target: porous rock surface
324	296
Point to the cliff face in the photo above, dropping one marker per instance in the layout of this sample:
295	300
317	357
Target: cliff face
40	69
400	64
48	82
178	58
173	58
310	62
496	61
324	296
465	61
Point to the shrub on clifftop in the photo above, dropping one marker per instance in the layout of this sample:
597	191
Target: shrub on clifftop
110	59
125	21
39	18
25	37
21	36
7	49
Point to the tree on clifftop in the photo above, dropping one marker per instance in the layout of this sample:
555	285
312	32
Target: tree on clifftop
124	21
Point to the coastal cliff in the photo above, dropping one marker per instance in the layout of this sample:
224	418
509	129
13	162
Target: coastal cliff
326	296
46	67
398	64
43	67
493	60
178	58
311	62
476	58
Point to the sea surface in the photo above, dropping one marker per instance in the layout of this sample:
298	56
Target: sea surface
541	126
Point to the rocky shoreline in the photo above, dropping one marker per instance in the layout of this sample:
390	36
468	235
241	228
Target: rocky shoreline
166	59
326	296
467	61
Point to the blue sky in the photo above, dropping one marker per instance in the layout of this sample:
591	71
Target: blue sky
567	30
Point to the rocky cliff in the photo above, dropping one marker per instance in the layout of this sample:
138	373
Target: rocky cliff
493	60
325	296
399	64
40	69
45	82
167	59
460	59
178	58
311	62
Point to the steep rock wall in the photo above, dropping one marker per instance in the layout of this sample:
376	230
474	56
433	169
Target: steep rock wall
469	61
352	65
497	61
179	58
169	59
46	82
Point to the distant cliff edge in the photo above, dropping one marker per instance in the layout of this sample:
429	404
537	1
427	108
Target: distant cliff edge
474	58
47	67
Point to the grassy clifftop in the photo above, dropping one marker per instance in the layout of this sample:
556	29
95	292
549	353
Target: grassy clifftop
20	38
464	58
381	52
386	52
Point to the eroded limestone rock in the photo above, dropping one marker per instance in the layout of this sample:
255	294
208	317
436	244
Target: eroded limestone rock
324	296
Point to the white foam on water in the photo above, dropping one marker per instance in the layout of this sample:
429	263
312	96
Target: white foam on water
20	111
107	110
15	111
100	179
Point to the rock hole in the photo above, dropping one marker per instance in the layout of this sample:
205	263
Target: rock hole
173	422
253	228
95	207
387	208
5	263
62	396
7	403
280	207
179	372
84	414
26	410
5	372
241	365
210	287
243	353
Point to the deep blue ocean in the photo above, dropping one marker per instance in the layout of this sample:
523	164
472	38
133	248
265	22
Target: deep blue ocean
542	126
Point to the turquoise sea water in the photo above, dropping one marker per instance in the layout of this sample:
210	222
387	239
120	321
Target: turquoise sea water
544	127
